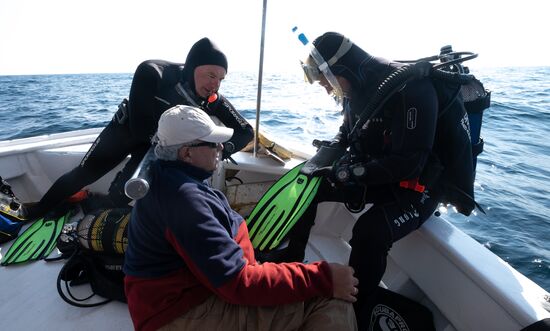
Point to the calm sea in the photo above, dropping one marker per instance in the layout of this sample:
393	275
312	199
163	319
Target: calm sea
513	176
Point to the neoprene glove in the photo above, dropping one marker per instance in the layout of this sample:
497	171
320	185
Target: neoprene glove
329	143
228	149
327	172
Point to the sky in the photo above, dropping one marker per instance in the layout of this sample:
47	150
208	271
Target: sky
104	36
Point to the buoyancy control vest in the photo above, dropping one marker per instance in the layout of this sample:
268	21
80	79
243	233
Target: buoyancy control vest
462	99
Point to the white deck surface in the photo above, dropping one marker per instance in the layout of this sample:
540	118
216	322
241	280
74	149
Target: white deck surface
30	302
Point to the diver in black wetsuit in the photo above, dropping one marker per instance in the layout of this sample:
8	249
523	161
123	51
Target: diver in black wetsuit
396	163
156	86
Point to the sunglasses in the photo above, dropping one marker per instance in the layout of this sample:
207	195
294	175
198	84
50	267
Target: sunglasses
204	143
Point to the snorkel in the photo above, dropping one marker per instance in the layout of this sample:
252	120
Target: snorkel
313	71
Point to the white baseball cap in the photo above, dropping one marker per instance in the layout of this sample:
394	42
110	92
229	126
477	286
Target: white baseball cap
185	124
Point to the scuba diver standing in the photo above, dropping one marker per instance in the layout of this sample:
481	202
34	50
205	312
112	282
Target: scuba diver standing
407	147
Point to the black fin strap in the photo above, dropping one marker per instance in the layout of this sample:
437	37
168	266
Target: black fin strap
469	197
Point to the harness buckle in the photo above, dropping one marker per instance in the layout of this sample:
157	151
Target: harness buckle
121	115
412	184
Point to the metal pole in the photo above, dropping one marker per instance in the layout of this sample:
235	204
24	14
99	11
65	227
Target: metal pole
260	75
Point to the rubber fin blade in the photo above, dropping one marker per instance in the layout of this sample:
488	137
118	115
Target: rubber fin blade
36	242
281	207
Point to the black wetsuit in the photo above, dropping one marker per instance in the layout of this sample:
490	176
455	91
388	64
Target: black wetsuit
156	86
394	147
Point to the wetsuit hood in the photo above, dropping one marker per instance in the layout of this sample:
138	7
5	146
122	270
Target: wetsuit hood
364	71
201	53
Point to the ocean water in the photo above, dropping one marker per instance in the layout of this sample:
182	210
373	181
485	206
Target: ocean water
513	173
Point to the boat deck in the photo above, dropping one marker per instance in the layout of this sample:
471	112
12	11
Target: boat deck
30	301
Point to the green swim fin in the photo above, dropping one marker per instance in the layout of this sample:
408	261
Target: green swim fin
280	207
36	242
286	201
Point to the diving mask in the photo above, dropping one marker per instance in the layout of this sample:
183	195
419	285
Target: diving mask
313	71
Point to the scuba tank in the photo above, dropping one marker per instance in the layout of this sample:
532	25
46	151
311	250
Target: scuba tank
476	99
105	230
102	231
137	186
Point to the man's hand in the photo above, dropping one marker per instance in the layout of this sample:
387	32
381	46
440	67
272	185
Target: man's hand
344	283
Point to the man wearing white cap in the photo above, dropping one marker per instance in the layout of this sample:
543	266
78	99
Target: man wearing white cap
190	263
